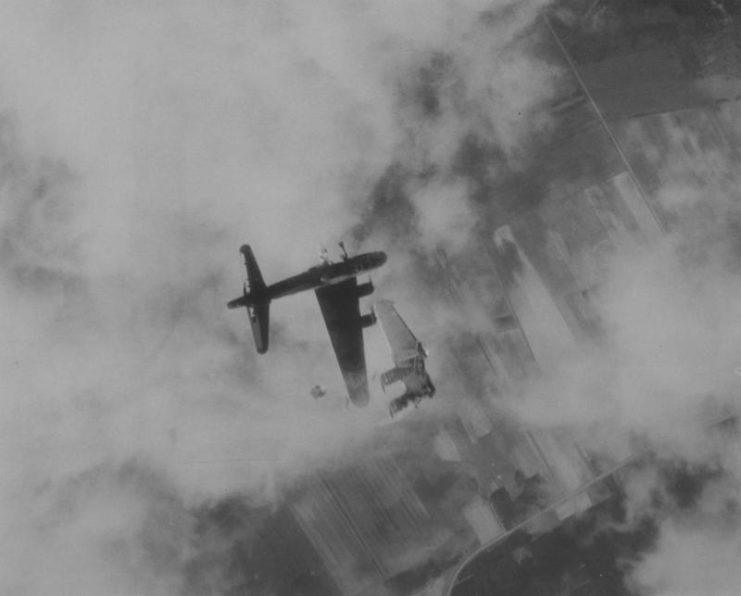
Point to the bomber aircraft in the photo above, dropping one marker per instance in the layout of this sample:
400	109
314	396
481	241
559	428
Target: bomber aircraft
409	359
338	293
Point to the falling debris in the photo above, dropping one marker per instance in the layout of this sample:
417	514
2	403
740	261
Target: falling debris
318	391
409	359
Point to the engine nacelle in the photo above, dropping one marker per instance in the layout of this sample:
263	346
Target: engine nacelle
365	289
367	320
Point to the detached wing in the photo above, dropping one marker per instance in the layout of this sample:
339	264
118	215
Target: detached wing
341	310
404	346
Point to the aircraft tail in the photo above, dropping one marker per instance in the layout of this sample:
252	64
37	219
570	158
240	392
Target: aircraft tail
258	306
260	322
254	275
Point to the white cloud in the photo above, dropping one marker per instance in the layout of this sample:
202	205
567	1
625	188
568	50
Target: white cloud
692	561
666	364
142	144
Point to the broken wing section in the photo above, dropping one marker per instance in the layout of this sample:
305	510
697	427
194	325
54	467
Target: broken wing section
404	346
340	308
408	356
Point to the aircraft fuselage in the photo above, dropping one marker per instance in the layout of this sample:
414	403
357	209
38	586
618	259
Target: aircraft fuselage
338	294
321	275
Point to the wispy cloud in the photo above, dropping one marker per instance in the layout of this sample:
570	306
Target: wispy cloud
666	365
141	145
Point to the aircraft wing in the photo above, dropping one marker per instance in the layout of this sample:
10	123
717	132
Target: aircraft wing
340	307
403	343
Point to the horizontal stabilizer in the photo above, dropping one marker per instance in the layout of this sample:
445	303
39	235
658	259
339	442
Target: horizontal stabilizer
255	300
260	322
254	275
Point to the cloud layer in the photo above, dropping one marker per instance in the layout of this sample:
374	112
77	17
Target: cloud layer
141	145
